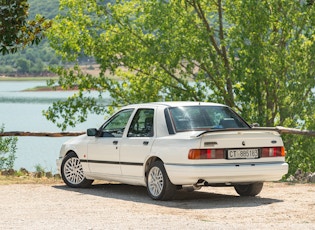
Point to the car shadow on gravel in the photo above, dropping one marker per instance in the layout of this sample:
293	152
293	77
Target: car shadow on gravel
186	200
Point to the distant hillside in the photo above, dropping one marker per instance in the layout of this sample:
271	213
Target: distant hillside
49	9
33	60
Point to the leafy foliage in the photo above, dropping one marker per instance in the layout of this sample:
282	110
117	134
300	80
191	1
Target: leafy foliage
255	56
241	59
7	151
300	149
39	56
78	106
16	31
301	154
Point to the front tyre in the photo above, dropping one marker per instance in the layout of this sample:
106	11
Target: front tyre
72	172
159	186
249	189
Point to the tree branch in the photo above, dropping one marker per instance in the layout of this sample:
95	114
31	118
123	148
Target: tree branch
201	15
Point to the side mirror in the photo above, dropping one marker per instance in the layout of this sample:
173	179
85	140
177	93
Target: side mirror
91	132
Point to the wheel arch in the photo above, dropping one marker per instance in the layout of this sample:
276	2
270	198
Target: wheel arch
86	168
72	172
70	151
150	161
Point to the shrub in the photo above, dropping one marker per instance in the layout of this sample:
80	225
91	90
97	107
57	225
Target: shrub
7	151
40	171
300	153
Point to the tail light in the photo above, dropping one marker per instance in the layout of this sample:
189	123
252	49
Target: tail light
273	152
195	154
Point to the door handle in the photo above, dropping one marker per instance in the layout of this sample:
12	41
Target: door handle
115	142
145	143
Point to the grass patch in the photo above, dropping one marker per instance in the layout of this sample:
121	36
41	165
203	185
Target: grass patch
6	180
24	177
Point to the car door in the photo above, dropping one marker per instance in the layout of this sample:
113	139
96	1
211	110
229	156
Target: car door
136	146
103	151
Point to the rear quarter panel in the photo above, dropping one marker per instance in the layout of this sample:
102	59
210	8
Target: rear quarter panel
174	149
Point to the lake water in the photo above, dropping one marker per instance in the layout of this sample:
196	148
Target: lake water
22	111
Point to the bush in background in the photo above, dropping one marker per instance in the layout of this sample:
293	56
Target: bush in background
7	151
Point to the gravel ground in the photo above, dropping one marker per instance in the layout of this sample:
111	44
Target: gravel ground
119	206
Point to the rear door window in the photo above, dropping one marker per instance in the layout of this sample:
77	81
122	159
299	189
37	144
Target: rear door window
142	124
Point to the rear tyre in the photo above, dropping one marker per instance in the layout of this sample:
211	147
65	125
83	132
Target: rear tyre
72	172
159	186
249	189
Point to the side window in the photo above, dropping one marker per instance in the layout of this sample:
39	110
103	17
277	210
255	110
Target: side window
116	126
142	124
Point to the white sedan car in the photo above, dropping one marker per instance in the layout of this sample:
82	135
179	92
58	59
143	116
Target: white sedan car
167	146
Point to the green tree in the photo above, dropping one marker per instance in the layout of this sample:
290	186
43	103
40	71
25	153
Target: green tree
38	67
15	30
36	7
23	65
255	56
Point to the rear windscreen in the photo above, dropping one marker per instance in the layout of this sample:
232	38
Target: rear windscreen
188	118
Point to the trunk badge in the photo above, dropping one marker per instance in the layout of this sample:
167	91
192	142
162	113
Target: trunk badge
243	143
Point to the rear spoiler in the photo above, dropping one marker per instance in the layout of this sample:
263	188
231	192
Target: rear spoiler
279	129
272	129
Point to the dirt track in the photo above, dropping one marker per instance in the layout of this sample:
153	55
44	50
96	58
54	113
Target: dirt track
118	206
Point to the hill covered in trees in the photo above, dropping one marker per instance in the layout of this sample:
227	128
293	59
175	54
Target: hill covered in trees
33	60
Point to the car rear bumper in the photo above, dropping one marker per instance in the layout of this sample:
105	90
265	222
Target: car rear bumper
225	173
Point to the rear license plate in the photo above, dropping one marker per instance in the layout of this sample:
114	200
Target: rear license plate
243	153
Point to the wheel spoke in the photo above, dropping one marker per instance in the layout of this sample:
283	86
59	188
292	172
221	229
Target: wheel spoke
73	171
155	181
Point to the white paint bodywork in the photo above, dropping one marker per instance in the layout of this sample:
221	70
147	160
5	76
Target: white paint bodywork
127	160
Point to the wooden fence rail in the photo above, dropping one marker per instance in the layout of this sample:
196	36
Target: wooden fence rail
284	130
41	134
280	129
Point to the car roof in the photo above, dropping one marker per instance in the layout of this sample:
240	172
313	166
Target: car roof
173	104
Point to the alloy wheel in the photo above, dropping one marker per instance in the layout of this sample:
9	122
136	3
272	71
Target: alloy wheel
73	171
155	181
